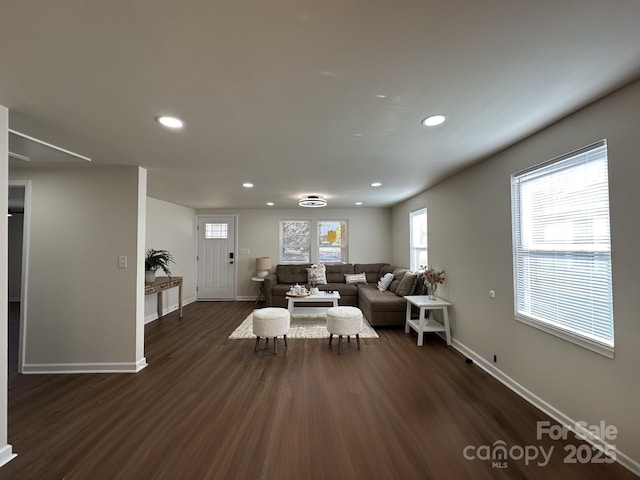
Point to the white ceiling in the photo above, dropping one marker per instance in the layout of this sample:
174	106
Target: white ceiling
305	96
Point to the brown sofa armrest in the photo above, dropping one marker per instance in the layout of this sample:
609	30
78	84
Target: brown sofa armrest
269	282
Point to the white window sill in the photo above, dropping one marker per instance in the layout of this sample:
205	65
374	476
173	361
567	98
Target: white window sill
578	340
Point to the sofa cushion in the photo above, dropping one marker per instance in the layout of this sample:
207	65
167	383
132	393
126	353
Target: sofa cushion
376	301
371	270
317	274
385	281
398	275
291	274
407	285
355	278
421	285
386	268
335	272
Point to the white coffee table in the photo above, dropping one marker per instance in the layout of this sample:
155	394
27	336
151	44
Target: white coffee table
423	324
322	297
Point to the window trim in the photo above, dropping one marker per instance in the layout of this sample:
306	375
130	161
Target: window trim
585	342
313	247
281	243
548	326
411	246
344	248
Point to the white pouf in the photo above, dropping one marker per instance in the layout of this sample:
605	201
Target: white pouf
344	321
271	322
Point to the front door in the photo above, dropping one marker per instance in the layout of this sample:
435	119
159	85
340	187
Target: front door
216	257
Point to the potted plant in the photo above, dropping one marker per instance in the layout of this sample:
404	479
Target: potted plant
154	260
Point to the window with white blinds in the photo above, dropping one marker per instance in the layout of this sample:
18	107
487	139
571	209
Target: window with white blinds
418	239
562	248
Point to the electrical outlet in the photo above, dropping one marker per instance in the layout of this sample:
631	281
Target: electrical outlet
492	293
122	261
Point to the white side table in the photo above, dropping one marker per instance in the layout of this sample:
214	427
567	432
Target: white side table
423	324
261	290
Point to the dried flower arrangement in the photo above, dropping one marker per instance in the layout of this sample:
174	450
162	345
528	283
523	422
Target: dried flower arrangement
433	278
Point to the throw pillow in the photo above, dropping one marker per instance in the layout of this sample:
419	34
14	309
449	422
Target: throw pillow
317	274
407	284
421	285
385	281
355	278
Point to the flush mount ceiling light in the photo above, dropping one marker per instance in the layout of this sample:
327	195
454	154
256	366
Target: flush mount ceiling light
433	120
247	185
312	201
376	184
170	122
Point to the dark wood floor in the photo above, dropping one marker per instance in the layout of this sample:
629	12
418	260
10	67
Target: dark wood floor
208	407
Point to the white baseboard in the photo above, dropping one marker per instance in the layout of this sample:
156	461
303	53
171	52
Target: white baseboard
244	298
547	408
6	455
107	367
167	310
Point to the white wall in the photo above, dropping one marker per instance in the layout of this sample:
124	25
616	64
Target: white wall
6	452
469	234
81	309
258	232
172	227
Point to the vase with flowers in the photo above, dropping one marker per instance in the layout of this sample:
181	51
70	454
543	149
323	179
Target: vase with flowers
433	278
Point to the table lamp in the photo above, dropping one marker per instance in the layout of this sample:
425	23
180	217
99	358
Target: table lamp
263	264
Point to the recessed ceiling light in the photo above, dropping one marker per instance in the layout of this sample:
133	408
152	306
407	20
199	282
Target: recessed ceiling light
170	122
376	184
358	203
270	204
247	185
433	120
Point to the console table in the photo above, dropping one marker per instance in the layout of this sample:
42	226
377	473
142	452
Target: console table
161	284
423	324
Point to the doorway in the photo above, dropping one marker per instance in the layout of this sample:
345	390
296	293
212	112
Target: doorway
18	256
216	257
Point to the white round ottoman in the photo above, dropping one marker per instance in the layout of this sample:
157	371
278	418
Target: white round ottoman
271	322
345	321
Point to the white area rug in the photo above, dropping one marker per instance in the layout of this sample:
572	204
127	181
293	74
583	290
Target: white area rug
302	326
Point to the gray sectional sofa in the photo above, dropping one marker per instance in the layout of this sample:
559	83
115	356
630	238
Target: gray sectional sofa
381	309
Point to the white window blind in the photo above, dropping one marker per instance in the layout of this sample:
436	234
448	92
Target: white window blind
562	248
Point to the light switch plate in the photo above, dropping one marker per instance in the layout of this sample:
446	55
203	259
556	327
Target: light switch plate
122	261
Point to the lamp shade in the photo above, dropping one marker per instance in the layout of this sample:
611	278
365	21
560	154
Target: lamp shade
263	264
